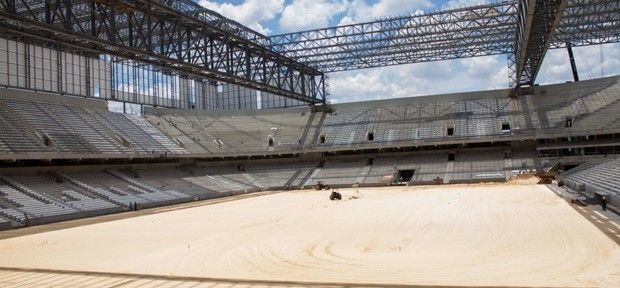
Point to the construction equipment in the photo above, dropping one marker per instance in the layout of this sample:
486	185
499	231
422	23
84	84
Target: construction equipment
546	177
320	186
335	196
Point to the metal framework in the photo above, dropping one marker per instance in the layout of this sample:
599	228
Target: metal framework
176	35
522	29
180	38
588	22
466	32
537	22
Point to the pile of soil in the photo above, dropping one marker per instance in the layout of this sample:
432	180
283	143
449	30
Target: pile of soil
523	179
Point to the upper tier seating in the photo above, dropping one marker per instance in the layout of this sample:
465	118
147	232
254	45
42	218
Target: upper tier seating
142	137
62	136
27	126
14	134
223	133
348	127
84	125
155	135
590	107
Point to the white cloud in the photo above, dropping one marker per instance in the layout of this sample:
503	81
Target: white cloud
361	11
463	3
556	66
469	74
482	66
386	82
472	74
250	13
308	14
499	79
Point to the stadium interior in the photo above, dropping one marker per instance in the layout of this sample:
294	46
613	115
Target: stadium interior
109	105
158	143
66	158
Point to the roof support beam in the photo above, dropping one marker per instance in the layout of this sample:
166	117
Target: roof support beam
537	22
474	31
175	35
457	33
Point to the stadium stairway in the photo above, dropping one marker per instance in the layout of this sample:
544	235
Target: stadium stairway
293	181
85	203
189	142
155	134
23	189
16	134
24	206
449	170
91	118
147	190
99	192
60	135
104	139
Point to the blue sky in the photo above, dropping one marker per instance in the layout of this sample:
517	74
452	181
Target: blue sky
471	74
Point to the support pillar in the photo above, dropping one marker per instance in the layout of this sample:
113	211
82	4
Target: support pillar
573	66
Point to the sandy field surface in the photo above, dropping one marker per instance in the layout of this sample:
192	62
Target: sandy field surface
467	235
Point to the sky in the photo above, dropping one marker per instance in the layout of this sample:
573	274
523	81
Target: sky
272	17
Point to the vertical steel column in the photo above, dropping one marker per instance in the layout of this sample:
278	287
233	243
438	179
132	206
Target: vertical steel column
68	15
571	57
88	80
27	65
59	67
93	19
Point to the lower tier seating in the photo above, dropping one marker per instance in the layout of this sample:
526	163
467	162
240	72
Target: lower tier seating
598	177
42	195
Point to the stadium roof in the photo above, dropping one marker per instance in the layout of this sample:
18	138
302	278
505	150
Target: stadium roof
182	36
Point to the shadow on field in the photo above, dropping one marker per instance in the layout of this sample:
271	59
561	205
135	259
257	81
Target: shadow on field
604	222
607	222
21	277
18	232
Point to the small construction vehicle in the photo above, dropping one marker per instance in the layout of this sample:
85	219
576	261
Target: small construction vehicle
335	195
320	186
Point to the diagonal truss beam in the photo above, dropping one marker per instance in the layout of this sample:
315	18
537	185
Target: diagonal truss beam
489	29
451	34
537	23
588	22
176	35
183	37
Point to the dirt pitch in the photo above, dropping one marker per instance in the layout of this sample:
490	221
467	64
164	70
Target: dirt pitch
457	235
